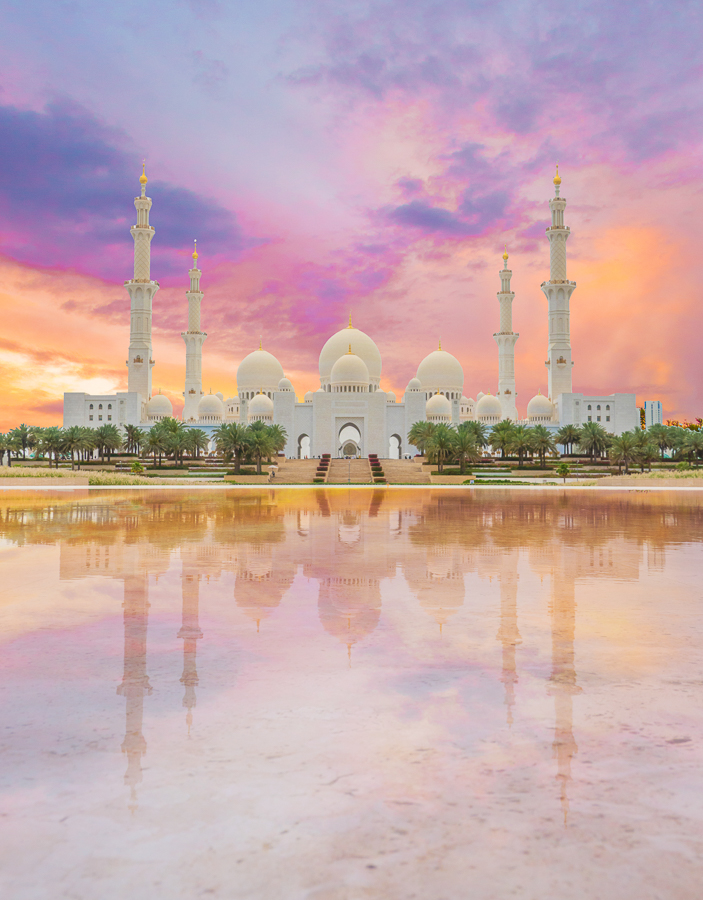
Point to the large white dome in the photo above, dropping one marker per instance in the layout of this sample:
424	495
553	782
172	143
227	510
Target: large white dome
540	408
440	371
488	407
211	406
362	346
159	407
438	408
259	371
350	370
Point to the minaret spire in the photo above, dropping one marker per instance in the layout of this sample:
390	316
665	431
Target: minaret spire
141	290
194	339
506	340
558	291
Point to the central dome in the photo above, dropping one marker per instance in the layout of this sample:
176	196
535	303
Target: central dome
440	371
351	371
363	347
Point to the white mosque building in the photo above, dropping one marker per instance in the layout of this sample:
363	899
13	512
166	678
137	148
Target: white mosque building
349	414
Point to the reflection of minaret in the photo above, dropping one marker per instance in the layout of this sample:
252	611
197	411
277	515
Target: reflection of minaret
135	682
508	634
562	682
190	633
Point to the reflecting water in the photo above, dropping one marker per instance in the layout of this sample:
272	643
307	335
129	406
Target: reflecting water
364	693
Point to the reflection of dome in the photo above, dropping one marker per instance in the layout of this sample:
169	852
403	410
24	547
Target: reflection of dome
350	371
440	371
260	408
488	409
349	608
414	385
540	409
440	587
259	588
364	348
211	409
159	407
285	384
438	409
259	371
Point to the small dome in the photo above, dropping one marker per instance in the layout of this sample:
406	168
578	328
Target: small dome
220	395
414	385
308	397
259	371
390	396
349	369
211	406
540	407
159	407
438	407
260	406
488	407
440	371
363	347
285	385
479	396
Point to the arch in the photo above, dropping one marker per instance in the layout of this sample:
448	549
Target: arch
349	439
395	447
303	446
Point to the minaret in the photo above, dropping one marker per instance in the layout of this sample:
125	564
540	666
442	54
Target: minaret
141	290
558	291
190	633
194	339
506	339
135	681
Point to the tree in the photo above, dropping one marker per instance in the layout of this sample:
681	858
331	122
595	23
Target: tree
197	440
260	443
279	437
521	442
692	445
231	441
23	434
542	443
108	439
156	443
177	444
478	432
563	470
419	434
623	450
441	444
594	439
51	443
134	437
500	436
75	441
567	436
5	447
661	436
465	448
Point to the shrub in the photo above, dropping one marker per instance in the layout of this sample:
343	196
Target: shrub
318	480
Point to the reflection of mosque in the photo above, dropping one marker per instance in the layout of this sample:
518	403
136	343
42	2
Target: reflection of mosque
348	542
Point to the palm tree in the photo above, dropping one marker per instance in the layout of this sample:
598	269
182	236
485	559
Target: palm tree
23	435
177	443
623	450
441	444
51	443
478	430
594	439
155	443
692	445
5	447
197	440
465	448
542	443
75	441
567	436
419	435
662	437
279	437
108	439
134	437
260	443
500	436
521	442
231	441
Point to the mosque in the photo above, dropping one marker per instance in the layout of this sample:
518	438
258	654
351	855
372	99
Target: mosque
349	414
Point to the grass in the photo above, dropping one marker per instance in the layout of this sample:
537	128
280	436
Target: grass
34	472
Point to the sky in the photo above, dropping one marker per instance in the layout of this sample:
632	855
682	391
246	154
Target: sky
365	156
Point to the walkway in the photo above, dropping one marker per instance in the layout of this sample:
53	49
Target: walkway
349	471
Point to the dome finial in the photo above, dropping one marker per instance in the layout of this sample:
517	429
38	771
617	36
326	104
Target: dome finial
142	178
349	350
195	251
260	342
557	178
350	321
440	343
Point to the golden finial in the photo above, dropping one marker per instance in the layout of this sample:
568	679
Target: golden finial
350	322
142	178
505	253
195	251
349	350
260	342
557	179
440	343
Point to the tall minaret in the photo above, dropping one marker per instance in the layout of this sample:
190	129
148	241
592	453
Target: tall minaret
558	291
506	339
194	339
141	290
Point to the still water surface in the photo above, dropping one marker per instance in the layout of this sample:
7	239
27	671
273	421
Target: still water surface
351	694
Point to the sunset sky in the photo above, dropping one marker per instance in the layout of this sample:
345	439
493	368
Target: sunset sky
329	157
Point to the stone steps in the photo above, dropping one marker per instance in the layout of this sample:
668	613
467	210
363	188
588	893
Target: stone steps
349	471
295	471
404	471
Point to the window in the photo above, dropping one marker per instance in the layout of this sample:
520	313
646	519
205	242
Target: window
91	406
607	418
90	417
100	406
109	406
607	407
589	406
109	418
598	407
590	418
598	417
100	418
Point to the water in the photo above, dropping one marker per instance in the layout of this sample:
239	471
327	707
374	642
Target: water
351	694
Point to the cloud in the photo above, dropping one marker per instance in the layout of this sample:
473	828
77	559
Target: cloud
67	184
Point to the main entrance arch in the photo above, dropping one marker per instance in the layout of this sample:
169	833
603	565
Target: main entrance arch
349	443
394	447
304	447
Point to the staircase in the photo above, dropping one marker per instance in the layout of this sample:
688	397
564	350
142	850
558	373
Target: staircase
405	471
349	471
295	471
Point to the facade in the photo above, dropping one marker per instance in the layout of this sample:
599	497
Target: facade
349	414
653	413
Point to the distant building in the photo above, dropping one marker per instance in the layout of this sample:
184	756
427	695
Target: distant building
653	413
